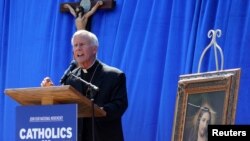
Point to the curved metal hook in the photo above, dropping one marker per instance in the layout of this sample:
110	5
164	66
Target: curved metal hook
212	34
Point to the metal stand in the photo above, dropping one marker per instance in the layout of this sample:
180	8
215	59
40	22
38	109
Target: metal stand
213	33
92	92
92	89
93	119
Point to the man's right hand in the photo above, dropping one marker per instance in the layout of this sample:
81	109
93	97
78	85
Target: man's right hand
47	82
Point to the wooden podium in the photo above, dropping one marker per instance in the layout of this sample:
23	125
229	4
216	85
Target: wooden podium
55	95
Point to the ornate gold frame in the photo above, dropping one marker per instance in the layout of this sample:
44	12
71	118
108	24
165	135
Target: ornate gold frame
218	88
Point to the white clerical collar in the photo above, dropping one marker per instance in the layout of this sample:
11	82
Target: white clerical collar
86	70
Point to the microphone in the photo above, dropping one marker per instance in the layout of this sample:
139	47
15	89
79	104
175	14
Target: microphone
72	66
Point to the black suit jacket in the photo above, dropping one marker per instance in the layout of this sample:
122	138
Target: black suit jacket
112	96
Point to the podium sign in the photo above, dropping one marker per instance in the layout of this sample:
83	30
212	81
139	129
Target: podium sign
50	122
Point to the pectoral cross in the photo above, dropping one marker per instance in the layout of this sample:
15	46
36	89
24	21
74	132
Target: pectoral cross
83	10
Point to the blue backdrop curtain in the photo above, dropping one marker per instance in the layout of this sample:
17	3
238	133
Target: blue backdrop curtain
152	41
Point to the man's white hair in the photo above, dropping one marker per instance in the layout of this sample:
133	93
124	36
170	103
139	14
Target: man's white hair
85	33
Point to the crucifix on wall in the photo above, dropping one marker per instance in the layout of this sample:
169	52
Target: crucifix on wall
83	10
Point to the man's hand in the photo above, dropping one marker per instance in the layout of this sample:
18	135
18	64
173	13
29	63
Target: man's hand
47	82
100	2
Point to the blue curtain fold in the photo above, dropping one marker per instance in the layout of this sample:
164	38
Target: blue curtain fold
152	41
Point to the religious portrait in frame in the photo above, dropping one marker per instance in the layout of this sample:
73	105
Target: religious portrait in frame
204	99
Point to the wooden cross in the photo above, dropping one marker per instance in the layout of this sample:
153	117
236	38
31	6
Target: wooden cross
107	5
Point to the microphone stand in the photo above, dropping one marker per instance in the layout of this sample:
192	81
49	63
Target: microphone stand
92	89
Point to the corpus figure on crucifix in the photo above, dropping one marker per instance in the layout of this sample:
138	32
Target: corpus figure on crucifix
82	15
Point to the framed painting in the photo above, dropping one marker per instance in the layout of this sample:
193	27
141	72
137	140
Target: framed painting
204	99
